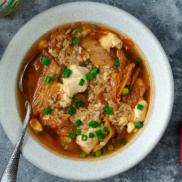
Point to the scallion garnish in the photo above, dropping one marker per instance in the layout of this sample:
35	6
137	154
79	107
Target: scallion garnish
99	134
95	71
81	82
93	124
117	145
78	132
69	51
84	137
125	91
123	141
116	62
88	60
82	103
86	92
76	41
76	103
72	134
138	62
71	42
45	61
140	107
78	123
83	155
54	77
67	73
78	29
47	111
98	153
108	110
106	129
91	135
83	65
64	68
110	147
48	79
72	111
89	76
93	26
138	125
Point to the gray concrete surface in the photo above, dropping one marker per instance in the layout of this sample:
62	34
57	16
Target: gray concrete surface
164	19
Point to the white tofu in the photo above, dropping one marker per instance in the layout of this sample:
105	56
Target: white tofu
130	127
123	121
87	146
111	40
139	115
71	86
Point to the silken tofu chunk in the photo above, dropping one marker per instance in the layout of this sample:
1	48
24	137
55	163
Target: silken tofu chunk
140	111
110	40
71	86
88	145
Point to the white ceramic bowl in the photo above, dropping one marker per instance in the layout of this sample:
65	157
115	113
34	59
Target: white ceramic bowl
160	107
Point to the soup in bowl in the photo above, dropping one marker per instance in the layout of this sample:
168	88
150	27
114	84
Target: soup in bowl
89	88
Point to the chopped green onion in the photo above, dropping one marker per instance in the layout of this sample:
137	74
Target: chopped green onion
108	110
117	144
54	77
68	139
95	71
83	155
93	26
71	135
98	152
78	132
110	147
78	29
140	107
106	129
105	150
76	41
89	76
123	141
86	92
81	82
93	124
84	137
48	79
45	61
69	51
125	91
78	123
83	65
93	154
67	73
82	103
64	68
99	134
137	62
138	125
91	135
76	103
71	42
116	62
72	111
55	51
88	60
47	111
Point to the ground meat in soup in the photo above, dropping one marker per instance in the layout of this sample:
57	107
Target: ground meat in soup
89	88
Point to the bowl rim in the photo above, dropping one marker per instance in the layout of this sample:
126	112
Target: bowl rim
28	140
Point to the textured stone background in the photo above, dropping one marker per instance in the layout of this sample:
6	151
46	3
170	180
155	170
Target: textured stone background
164	19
